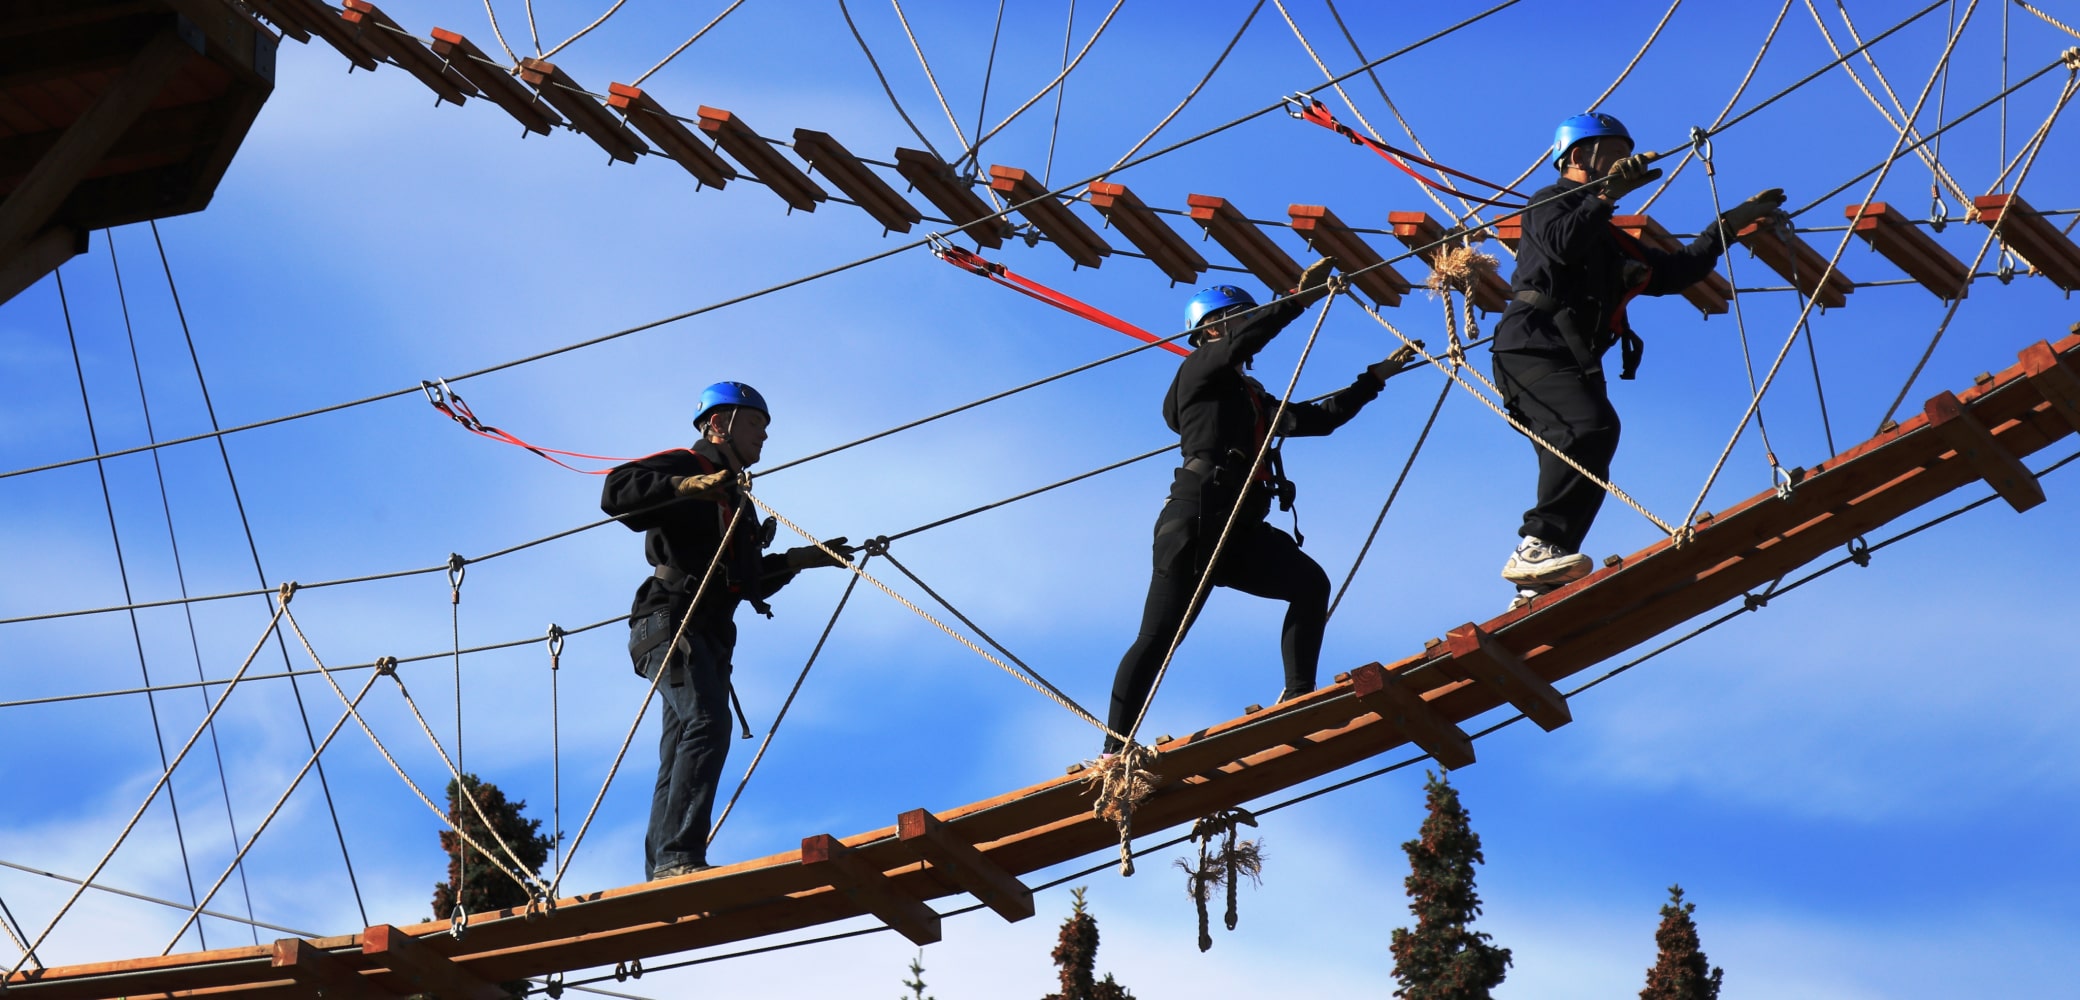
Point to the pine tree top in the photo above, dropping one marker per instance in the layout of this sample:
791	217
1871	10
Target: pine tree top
1680	971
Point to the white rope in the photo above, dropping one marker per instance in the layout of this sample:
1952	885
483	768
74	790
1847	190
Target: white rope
586	30
500	35
1217	61
1921	149
683	46
1059	77
1753	65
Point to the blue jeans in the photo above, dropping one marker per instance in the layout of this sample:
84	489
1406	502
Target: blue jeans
694	694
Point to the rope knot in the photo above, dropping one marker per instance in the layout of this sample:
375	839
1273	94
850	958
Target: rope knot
2071	58
386	666
1122	781
286	591
876	546
1752	602
1235	861
1459	268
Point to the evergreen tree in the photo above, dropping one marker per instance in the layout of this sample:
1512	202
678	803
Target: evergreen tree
486	889
1441	959
916	981
1679	972
1076	954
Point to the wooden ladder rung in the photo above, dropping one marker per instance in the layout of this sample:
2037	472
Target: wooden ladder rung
585	114
967	867
850	174
1328	236
1892	234
1420	233
1956	425
1125	211
670	135
378	31
1486	660
1242	239
1383	693
758	156
1711	295
952	196
870	887
2052	253
2059	386
498	86
1072	235
1795	260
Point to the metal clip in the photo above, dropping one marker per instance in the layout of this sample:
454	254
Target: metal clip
2006	271
458	919
875	546
457	569
1859	551
1781	477
1297	103
556	635
1701	144
1938	211
553	986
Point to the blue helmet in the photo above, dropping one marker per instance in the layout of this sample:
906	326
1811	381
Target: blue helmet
1213	300
723	394
1580	128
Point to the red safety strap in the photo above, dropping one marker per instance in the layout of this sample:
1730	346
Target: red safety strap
1318	113
975	263
449	402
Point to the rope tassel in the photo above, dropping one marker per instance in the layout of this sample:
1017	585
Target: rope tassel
1235	861
1123	781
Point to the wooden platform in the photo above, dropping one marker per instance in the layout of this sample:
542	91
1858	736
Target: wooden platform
114	112
1979	435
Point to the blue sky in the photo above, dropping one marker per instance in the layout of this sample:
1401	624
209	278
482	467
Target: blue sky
1867	788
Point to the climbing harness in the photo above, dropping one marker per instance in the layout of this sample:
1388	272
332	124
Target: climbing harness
1309	109
1235	861
975	263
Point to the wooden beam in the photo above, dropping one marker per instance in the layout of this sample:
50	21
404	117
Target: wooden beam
1891	233
1485	659
1241	237
321	973
1329	237
1139	224
585	114
670	135
497	85
426	970
967	867
947	192
868	887
325	22
1961	430
2048	251
378	31
875	197
2054	381
1421	234
1408	712
758	156
32	202
38	257
1711	295
1069	234
1795	260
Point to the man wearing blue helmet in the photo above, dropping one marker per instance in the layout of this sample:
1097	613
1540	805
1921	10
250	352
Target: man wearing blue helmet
1222	417
688	505
1575	274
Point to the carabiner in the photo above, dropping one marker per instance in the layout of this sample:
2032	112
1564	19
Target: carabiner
458	920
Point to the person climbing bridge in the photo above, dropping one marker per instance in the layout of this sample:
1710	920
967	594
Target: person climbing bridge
1576	272
1222	417
688	504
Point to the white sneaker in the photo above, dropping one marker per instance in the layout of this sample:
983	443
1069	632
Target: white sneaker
1541	562
1526	592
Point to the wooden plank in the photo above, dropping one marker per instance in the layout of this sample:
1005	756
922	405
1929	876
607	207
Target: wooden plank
30	205
490	78
1248	244
585	114
670	135
1711	296
424	969
823	152
867	886
2054	381
2048	250
321	974
38	257
951	195
324	21
380	32
761	159
1974	443
1383	693
968	867
1891	233
1328	236
1069	234
1485	659
1149	234
1420	233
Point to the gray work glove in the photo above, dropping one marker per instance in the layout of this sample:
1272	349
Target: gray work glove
1762	206
1395	363
1629	175
1314	281
811	557
712	486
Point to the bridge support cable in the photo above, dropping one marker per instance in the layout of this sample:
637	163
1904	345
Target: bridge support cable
180	836
260	574
180	574
1443	391
165	779
155	900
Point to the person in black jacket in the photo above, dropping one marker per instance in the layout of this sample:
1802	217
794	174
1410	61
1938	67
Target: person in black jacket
1222	416
687	504
1575	274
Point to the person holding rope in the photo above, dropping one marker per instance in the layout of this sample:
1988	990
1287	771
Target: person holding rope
1222	418
688	503
1576	272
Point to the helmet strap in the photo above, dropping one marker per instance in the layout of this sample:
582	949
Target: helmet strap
727	433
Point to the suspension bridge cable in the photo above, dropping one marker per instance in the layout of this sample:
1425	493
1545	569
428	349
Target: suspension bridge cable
180	575
883	254
1768	39
929	76
1816	74
586	30
883	77
253	548
1435	408
1217	61
1937	173
495	33
141	897
989	70
1060	93
534	34
1056	82
14	933
683	46
180	835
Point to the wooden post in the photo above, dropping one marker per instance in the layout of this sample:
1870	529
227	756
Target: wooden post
1974	443
967	867
1382	692
428	971
1485	659
2052	380
869	887
321	973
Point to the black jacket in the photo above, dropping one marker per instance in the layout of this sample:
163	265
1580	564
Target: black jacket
1216	409
682	535
1573	255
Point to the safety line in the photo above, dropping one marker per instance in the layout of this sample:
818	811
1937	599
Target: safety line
1052	84
1740	320
165	778
1194	92
180	575
787	703
555	639
245	525
180	836
582	32
683	46
1767	40
1335	286
1935	166
1060	93
2054	22
1435	408
975	263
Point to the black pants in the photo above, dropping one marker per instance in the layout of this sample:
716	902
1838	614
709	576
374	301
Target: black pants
1259	560
694	698
1556	400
